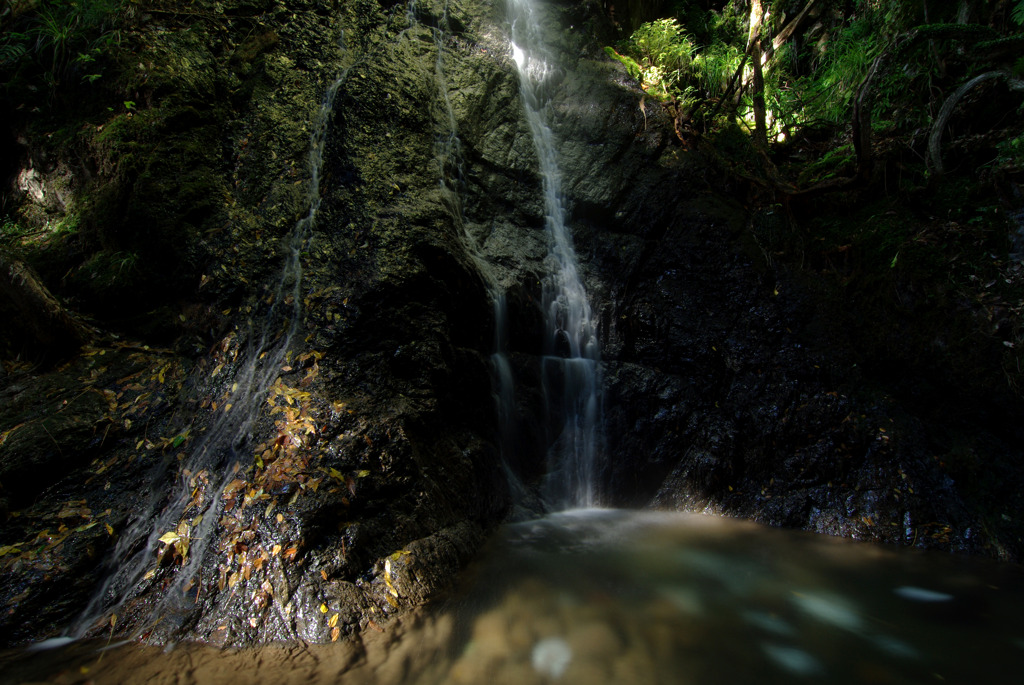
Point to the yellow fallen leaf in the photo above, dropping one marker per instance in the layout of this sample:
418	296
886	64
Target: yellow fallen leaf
333	621
11	549
170	537
110	529
323	608
335	633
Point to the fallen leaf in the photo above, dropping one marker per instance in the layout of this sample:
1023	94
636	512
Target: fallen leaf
170	537
323	608
233	487
333	621
335	632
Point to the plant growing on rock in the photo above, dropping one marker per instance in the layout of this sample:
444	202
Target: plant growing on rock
57	42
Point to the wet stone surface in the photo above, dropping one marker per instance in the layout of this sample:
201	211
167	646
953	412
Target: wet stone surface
363	469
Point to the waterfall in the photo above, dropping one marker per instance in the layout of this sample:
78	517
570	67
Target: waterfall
571	375
223	450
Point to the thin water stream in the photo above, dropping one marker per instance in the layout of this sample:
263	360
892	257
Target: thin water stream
571	373
222	450
588	595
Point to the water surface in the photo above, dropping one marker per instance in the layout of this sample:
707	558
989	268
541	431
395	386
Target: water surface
604	596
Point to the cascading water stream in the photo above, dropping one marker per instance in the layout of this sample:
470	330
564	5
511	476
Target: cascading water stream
221	451
570	371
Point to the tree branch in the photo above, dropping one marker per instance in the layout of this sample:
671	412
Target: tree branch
39	312
935	138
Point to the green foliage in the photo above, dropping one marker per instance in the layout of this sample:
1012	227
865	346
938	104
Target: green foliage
1011	152
1018	12
57	40
832	164
110	269
13	49
664	44
839	66
660	55
10	230
715	65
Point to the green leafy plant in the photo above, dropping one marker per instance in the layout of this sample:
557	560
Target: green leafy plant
826	94
56	39
110	269
715	65
1011	152
660	55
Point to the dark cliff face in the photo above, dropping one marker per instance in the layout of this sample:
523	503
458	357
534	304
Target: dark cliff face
367	472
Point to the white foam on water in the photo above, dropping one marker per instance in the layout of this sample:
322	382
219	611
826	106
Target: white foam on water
792	659
51	643
898	648
920	594
769	623
828	609
551	656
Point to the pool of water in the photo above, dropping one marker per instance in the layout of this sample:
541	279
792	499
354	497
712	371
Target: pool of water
601	596
643	597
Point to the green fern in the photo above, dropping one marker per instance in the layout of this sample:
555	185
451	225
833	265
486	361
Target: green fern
660	55
13	50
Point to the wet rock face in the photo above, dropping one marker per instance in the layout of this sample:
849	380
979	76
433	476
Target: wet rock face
730	384
369	471
365	473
